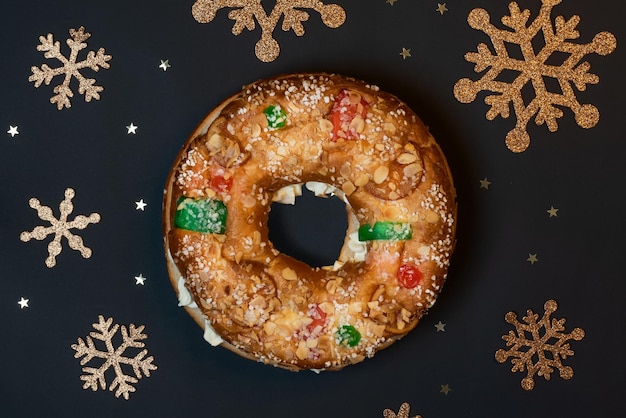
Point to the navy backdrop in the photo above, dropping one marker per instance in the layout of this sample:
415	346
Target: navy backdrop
544	224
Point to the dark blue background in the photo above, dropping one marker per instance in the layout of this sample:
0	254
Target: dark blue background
87	148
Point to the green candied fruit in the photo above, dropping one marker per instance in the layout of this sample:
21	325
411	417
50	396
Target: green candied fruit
396	231
276	116
348	335
201	215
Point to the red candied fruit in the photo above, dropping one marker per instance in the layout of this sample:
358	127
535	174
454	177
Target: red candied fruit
319	318
409	276
221	181
343	113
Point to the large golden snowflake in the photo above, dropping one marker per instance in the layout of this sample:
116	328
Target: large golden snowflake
246	12
532	69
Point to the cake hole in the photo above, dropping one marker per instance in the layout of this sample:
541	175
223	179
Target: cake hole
312	231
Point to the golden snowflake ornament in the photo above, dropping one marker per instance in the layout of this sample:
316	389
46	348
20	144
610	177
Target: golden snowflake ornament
71	67
538	346
531	70
60	227
114	358
403	412
246	12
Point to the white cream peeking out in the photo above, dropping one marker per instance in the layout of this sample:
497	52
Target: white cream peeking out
210	335
184	296
354	250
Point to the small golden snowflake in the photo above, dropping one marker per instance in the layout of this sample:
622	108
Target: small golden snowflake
70	67
403	412
538	346
60	227
114	358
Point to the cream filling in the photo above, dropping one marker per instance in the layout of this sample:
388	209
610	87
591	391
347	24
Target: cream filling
184	296
287	195
353	250
210	335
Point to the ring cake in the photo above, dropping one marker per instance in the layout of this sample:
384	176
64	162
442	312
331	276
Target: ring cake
334	135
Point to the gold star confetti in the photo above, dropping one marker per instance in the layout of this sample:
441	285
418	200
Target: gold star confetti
445	389
441	327
164	65
484	183
531	70
140	279
246	12
441	8
532	258
12	131
23	303
552	212
70	68
141	205
406	53
403	412
60	227
132	129
538	346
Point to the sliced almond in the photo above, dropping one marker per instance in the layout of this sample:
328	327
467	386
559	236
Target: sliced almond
302	352
209	192
282	151
409	147
372	304
256	237
431	217
327	307
345	170
407	158
377	293
348	188
256	130
379	330
325	125
362	180
248	201
214	143
358	124
289	274
269	327
381	173
331	286
389	127
354	97
412	169
312	342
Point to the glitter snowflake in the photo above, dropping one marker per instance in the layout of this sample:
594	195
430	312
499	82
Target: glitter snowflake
245	12
114	358
538	346
533	69
403	412
60	227
71	67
